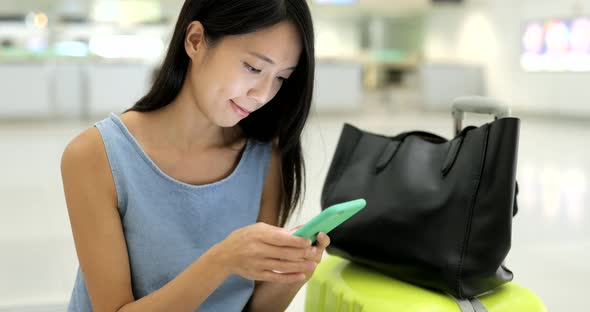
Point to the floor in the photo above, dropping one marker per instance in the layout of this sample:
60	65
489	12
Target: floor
551	234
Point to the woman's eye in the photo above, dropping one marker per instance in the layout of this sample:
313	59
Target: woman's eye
283	79
251	69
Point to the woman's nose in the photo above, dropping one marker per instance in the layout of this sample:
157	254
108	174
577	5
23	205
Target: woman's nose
263	91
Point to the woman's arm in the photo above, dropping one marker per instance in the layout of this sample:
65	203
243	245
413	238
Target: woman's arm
100	244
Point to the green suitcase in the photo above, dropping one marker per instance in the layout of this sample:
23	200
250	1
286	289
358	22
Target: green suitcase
339	285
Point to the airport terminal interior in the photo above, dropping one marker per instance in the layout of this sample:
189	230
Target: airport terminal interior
385	66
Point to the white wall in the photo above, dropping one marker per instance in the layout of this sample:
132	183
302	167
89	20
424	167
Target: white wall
337	36
489	32
24	89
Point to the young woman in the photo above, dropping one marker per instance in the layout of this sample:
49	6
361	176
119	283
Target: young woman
178	204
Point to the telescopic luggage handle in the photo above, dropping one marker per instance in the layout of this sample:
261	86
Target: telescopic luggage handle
478	105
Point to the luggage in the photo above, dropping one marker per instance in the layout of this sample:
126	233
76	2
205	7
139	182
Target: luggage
439	212
339	285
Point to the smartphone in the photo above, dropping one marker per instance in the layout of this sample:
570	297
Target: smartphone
330	218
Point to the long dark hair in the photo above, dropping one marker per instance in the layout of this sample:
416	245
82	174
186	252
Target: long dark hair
285	115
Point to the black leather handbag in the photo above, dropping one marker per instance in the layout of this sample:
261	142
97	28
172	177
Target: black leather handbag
439	212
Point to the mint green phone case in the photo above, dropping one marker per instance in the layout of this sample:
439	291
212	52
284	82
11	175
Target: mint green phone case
330	218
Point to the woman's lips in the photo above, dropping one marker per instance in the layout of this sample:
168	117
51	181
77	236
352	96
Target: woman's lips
241	111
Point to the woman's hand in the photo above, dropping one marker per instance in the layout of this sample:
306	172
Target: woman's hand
264	252
323	241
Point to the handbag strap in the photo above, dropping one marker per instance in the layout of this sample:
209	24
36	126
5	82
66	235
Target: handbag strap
423	134
387	155
451	155
392	147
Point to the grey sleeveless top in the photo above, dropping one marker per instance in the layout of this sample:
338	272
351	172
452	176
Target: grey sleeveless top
168	224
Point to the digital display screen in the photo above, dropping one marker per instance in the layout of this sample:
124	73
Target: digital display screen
556	45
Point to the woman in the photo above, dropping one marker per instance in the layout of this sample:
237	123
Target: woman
178	204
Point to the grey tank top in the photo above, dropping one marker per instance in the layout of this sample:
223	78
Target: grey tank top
168	224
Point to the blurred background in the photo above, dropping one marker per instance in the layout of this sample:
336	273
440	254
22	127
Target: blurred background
382	65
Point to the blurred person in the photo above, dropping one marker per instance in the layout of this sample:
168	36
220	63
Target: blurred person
179	203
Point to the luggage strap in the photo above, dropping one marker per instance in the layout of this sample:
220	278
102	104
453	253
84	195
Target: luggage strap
470	305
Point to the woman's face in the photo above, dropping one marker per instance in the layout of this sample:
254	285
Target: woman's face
240	74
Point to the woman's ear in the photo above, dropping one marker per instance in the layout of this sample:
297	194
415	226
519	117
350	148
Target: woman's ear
194	40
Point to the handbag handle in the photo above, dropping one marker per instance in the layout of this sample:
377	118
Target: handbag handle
425	135
393	146
454	150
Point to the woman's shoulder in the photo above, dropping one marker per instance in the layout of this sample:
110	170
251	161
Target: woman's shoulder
85	155
85	146
85	166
